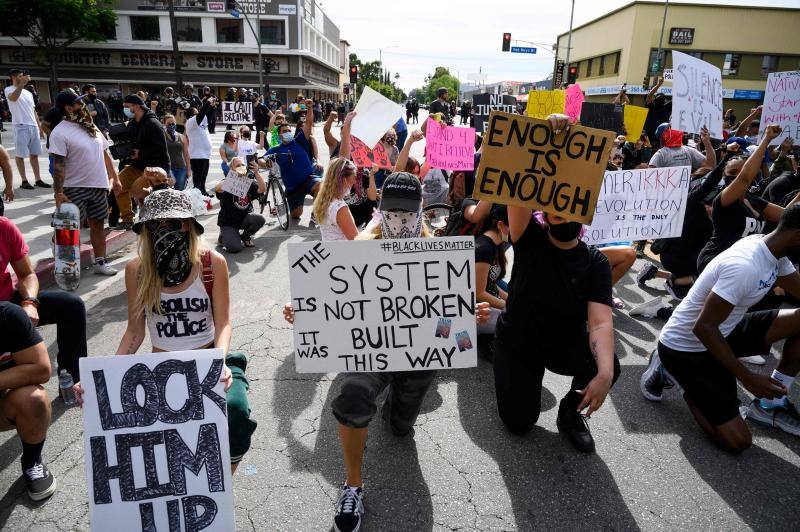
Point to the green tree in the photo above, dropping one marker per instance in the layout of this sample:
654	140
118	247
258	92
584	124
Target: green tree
370	75
53	25
441	77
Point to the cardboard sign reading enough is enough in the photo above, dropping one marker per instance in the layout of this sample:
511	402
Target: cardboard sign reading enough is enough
525	163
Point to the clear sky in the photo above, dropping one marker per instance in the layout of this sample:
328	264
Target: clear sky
418	35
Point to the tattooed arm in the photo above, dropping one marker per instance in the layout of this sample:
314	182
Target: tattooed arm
59	167
601	343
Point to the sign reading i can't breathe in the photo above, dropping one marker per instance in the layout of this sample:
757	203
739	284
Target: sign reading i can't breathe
383	305
156	442
526	163
237	112
640	205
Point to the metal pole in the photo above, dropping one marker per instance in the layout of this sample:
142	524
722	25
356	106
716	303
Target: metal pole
569	38
260	60
661	38
176	54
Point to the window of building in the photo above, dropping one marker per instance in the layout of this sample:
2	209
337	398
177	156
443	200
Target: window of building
616	59
602	66
731	65
189	29
698	55
273	32
230	30
656	62
110	31
589	67
145	28
769	64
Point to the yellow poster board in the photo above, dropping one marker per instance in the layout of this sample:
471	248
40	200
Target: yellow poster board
634	118
541	104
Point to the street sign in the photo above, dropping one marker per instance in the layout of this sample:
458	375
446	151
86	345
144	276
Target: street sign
668	76
523	50
215	7
559	77
235	13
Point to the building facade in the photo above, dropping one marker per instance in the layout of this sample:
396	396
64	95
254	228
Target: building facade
746	43
217	40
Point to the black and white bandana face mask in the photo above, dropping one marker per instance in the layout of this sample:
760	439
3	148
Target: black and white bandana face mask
172	255
403	224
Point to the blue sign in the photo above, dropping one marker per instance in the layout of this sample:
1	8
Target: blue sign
748	95
235	13
523	50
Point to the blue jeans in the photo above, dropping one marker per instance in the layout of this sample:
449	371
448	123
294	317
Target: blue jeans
225	169
179	174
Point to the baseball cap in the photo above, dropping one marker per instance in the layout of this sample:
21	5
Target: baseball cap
134	98
401	190
741	141
661	129
15	71
68	97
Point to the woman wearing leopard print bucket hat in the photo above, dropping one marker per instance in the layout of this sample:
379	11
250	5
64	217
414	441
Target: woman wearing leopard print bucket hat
173	268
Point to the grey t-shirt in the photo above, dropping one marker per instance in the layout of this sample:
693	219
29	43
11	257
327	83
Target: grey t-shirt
681	156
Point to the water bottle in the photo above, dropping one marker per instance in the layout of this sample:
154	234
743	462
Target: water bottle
65	384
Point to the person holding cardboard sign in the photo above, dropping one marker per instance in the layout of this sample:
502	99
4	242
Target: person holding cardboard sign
558	317
400	216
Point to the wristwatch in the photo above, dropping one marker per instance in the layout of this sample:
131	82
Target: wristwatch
32	300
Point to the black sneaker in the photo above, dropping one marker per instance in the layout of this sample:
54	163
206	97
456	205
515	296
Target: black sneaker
349	509
123	226
655	379
572	424
677	291
26	186
648	272
40	482
42	184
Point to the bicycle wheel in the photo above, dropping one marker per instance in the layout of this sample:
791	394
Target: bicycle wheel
280	203
436	214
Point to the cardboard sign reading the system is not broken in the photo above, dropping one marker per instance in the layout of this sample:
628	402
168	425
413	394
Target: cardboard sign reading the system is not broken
525	163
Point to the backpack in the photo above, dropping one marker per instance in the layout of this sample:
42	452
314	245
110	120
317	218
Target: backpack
458	225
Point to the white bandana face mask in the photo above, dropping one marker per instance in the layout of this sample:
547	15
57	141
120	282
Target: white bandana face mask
402	224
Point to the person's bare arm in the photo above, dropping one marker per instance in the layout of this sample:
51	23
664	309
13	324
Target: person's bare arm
402	159
111	172
742	129
344	219
308	125
19	86
153	176
476	213
8	176
135	331
711	155
330	140
790	283
372	189
27	282
262	185
601	344
706	328
32	366
652	93
481	281
59	174
752	165
344	148
221	303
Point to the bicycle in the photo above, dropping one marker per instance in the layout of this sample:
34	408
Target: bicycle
275	195
436	215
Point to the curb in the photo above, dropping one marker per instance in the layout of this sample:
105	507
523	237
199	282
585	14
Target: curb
115	240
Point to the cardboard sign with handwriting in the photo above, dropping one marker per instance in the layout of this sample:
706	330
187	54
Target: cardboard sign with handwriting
525	163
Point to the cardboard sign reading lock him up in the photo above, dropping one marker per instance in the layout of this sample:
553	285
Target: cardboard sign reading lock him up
525	163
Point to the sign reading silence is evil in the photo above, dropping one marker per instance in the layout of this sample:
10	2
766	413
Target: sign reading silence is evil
526	163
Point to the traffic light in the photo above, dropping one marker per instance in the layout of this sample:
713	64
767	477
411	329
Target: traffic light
506	42
646	82
572	74
353	74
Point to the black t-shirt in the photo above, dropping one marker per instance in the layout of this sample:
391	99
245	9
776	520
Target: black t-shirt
232	210
489	252
780	187
549	291
18	333
656	115
731	224
53	117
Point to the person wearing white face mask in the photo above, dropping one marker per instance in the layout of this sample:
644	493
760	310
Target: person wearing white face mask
399	216
297	170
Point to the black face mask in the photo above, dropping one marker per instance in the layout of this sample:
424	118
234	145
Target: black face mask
245	134
172	255
566	232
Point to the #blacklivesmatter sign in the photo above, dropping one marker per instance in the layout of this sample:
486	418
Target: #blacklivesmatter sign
384	305
525	163
156	442
237	112
640	205
696	95
782	105
484	104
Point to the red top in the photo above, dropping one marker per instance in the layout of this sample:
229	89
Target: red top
12	249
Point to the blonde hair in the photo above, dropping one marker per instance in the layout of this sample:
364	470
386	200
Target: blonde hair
149	283
331	188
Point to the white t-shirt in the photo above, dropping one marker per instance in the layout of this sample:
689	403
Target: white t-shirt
22	111
681	156
85	164
330	230
199	139
741	275
246	147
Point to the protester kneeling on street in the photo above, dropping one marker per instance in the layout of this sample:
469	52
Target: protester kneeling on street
236	220
173	267
558	317
24	368
701	346
400	216
331	211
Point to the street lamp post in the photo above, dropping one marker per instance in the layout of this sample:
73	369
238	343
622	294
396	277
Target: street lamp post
380	56
661	38
569	38
258	41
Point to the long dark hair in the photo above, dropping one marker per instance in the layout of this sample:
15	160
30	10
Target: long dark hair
228	137
499	213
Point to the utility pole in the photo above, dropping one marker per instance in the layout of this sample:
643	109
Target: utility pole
258	41
661	38
569	38
176	54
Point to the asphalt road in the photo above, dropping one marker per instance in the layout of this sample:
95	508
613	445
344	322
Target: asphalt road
461	470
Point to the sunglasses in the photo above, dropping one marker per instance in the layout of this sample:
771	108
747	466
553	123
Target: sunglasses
173	224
